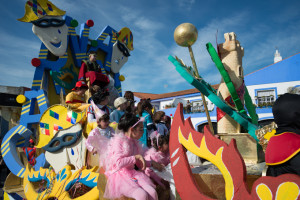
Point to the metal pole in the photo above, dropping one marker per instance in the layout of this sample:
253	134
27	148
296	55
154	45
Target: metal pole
203	97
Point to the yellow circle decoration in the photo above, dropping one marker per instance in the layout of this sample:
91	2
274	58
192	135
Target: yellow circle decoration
121	78
21	99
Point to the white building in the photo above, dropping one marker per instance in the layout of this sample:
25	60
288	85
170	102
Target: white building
264	85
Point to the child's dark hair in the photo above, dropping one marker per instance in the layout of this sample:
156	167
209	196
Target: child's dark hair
127	121
144	103
129	96
162	139
100	96
92	52
157	116
104	117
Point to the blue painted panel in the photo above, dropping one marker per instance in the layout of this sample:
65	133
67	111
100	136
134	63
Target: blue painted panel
284	71
28	109
9	150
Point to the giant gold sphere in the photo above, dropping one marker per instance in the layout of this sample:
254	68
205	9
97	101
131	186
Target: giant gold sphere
185	34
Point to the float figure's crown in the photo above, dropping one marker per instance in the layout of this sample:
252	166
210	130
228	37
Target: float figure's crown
36	9
125	36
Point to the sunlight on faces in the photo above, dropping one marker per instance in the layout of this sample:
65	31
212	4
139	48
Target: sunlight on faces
138	131
164	148
93	57
54	38
103	123
123	106
105	101
117	59
81	91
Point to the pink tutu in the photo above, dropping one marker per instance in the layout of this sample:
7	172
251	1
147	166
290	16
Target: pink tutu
123	181
122	178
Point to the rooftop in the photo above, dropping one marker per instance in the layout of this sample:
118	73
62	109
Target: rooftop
170	94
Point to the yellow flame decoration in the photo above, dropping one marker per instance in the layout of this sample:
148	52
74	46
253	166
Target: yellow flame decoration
216	159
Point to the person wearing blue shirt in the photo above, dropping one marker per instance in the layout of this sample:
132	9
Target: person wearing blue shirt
120	104
144	109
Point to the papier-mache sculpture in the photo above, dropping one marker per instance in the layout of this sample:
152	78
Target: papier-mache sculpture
59	131
231	53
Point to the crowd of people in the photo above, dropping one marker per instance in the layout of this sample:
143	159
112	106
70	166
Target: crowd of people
127	153
139	144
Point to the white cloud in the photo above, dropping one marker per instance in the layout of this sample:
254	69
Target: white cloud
186	4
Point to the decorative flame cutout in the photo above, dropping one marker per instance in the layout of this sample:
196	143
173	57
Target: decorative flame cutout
58	185
227	159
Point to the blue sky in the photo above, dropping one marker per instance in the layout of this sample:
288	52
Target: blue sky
260	26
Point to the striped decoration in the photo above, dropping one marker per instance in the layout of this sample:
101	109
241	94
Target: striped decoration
5	145
26	107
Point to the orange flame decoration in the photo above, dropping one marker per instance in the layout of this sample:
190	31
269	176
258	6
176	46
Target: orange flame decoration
227	159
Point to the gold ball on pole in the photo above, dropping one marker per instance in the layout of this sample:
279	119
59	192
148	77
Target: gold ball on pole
185	34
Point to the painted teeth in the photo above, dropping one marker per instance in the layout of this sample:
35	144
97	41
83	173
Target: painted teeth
175	162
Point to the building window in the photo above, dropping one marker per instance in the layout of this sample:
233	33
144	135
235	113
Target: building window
197	106
265	96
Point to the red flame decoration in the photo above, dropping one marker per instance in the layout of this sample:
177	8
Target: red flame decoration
187	187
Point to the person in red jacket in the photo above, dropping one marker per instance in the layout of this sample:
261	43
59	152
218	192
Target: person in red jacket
91	69
282	154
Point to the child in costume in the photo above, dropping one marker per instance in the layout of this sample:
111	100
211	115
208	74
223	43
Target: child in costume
145	110
76	99
159	153
120	105
123	153
282	153
129	96
90	69
100	98
159	120
103	129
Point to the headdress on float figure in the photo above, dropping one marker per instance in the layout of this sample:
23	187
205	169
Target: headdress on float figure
55	118
36	9
125	36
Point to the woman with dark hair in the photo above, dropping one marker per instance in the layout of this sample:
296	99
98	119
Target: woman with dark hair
100	98
129	96
144	109
282	153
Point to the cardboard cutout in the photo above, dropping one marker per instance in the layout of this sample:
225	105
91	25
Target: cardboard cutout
227	159
66	148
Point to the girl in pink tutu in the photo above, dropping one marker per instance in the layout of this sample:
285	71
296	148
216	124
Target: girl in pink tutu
95	140
159	153
124	152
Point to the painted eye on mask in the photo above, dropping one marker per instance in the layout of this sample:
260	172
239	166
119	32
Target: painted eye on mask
123	49
45	23
65	140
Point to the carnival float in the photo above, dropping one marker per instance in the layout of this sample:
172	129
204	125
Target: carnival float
64	169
